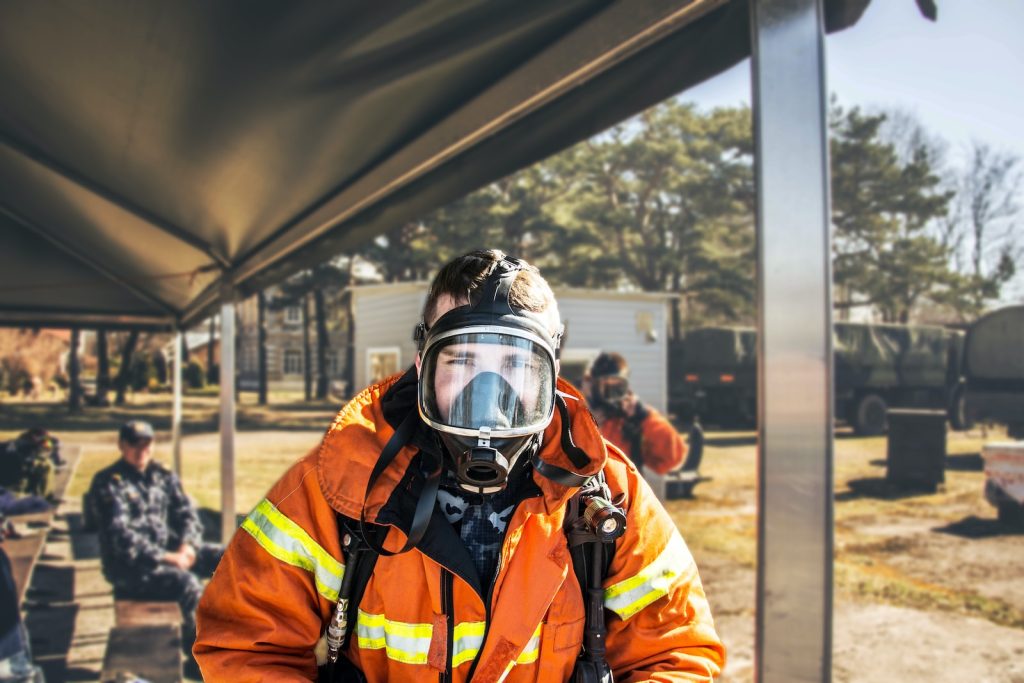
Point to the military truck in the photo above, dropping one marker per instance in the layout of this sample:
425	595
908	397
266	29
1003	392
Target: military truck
992	386
713	373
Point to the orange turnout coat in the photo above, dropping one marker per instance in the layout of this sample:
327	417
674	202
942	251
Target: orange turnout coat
661	447
425	612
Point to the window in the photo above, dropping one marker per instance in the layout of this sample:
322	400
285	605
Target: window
292	362
333	363
293	314
382	363
249	358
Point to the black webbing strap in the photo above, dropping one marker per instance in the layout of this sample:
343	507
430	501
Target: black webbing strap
577	455
425	504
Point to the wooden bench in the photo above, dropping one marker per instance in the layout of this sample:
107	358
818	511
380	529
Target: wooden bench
145	641
24	552
128	613
680	483
151	651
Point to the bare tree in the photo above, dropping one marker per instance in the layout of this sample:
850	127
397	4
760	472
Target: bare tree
984	226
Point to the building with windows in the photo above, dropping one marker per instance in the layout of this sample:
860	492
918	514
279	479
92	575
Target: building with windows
286	344
634	324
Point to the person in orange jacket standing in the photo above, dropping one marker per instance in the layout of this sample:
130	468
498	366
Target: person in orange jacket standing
644	434
464	475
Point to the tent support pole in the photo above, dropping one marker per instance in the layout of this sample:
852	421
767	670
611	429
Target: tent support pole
176	403
227	415
793	640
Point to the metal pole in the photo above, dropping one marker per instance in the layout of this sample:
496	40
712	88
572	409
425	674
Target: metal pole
227	416
176	404
795	535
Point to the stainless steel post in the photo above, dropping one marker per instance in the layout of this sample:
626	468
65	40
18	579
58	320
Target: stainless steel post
227	416
176	403
795	535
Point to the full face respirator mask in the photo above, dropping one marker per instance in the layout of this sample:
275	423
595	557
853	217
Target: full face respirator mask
608	392
487	382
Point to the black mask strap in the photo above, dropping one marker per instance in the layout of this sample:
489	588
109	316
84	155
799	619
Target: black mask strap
425	504
496	288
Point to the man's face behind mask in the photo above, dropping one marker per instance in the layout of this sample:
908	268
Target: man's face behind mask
487	379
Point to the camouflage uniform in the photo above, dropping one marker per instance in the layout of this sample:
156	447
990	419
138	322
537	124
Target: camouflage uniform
140	516
26	466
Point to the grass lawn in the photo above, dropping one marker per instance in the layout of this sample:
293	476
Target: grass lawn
941	550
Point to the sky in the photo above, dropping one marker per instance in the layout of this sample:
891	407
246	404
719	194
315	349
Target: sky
961	76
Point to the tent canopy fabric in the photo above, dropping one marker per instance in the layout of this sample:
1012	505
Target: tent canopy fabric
156	155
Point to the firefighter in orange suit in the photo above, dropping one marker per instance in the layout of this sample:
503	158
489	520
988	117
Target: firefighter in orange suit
458	461
644	434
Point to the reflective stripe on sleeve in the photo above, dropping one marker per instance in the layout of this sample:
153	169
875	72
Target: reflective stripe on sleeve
628	597
288	542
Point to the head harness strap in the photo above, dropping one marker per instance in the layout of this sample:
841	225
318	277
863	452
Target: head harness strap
494	298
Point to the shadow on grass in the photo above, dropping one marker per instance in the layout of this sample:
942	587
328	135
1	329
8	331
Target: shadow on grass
882	489
729	441
971	462
50	618
968	462
978	527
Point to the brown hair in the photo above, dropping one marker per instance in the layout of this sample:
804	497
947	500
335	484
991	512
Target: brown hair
462	277
608	363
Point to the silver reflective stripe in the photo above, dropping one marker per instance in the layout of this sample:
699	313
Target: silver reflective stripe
402	641
469	638
288	542
529	654
532	649
628	597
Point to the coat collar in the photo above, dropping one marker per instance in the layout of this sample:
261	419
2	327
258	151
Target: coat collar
359	433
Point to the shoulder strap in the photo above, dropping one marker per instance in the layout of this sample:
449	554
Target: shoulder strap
591	559
360	560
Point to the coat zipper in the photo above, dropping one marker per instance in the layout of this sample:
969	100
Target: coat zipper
448	606
490	591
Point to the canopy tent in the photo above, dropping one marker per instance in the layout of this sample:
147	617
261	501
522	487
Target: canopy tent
152	152
158	159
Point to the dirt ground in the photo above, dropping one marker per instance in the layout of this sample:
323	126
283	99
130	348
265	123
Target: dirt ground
927	585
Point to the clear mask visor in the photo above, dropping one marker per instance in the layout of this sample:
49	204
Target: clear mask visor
477	379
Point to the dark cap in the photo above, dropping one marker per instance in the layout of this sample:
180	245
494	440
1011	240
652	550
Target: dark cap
135	431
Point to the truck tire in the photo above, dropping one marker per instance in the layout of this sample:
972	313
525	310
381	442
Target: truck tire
869	417
958	417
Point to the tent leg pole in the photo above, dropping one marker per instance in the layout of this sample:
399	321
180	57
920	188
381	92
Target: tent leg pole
176	404
227	417
793	632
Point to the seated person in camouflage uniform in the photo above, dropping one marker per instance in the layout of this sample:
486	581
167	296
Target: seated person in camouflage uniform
27	463
150	535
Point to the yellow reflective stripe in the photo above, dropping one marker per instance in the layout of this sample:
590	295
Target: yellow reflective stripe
532	649
288	542
529	654
628	597
410	643
401	641
468	639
